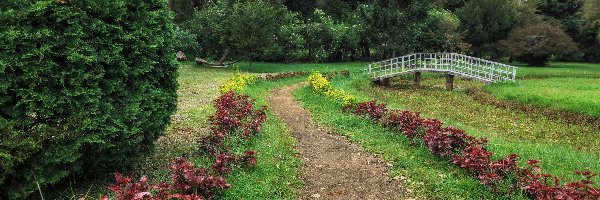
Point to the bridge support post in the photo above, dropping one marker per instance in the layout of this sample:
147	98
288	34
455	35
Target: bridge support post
382	82
417	80
449	82
385	82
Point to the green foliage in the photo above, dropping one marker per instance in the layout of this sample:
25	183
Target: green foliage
184	9
534	44
342	30
186	41
207	25
590	42
442	32
251	26
487	21
86	87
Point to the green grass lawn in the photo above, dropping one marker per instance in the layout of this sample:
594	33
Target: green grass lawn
426	175
562	147
560	70
276	173
579	95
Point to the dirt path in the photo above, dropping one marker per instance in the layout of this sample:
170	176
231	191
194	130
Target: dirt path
333	167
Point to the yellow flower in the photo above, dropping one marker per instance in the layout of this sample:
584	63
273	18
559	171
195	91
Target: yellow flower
320	84
237	82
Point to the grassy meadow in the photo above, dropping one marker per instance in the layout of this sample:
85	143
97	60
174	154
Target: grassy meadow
561	146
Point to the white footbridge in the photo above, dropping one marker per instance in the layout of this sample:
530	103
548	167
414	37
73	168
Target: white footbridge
450	64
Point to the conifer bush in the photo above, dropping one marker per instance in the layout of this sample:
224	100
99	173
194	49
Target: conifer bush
85	86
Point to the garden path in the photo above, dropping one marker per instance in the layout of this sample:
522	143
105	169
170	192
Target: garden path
334	168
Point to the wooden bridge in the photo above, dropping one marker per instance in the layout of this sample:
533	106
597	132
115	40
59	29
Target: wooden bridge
451	64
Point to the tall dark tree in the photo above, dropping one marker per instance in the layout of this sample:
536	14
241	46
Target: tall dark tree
536	43
251	27
486	22
566	12
590	30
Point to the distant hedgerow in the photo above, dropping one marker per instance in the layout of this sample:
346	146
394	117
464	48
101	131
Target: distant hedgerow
85	86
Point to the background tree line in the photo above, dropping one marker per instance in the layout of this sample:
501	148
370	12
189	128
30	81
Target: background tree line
532	31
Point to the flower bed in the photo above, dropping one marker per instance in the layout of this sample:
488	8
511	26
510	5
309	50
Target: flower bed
235	119
320	84
237	83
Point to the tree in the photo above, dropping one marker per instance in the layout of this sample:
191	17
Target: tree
441	32
208	26
536	43
252	26
486	22
590	29
86	87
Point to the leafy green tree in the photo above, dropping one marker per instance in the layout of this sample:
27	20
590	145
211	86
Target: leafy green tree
441	32
252	26
208	26
566	12
536	43
186	41
85	87
486	22
590	29
305	7
184	9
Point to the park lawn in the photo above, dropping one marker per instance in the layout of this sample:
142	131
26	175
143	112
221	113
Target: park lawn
423	173
578	95
559	70
276	174
563	148
274	177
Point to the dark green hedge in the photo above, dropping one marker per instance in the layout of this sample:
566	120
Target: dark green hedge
85	86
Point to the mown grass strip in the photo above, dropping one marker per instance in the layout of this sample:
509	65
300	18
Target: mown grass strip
276	174
578	95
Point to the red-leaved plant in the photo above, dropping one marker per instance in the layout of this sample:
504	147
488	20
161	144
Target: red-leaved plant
446	141
188	182
542	186
471	155
407	122
272	77
371	109
191	180
235	115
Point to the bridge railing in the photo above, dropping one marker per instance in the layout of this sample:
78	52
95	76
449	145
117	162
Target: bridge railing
454	63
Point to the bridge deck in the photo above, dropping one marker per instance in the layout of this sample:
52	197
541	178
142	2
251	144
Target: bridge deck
449	63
